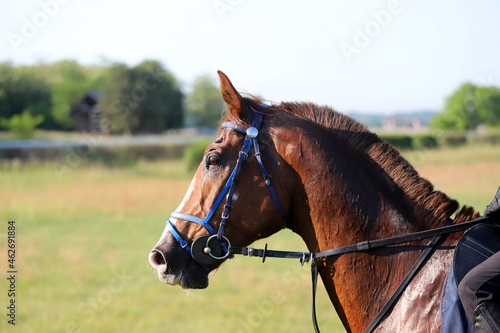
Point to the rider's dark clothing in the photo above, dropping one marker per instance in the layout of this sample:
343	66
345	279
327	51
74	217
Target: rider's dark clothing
480	288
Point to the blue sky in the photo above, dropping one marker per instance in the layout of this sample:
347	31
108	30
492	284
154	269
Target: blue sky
370	56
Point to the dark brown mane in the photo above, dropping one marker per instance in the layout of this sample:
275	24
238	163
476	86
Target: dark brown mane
415	187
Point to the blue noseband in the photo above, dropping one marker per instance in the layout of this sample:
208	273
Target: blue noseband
251	134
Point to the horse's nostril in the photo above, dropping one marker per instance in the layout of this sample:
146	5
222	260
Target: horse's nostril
157	259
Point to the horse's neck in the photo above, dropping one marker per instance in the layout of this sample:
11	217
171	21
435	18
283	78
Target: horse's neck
347	202
344	196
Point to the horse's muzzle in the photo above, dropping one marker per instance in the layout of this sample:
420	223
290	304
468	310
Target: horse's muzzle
178	269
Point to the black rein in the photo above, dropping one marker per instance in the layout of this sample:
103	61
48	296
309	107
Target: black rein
365	246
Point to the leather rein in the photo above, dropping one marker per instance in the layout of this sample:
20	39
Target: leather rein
206	250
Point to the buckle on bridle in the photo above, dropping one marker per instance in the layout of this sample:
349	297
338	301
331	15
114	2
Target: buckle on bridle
306	257
250	251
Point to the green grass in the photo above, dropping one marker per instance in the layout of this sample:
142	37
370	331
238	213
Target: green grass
83	238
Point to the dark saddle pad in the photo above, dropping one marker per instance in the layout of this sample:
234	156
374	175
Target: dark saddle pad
476	245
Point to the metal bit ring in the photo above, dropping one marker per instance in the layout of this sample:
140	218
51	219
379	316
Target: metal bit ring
228	244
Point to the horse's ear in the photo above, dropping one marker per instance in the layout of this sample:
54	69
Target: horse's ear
234	101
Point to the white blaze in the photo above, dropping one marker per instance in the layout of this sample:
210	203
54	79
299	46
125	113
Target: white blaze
181	206
187	195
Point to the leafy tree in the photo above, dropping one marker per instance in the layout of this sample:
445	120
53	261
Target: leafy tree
116	114
144	98
489	105
22	125
204	103
24	88
162	107
468	107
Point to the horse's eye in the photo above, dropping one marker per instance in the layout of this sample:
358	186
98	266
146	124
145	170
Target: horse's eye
213	160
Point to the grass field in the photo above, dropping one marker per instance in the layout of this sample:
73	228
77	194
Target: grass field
83	237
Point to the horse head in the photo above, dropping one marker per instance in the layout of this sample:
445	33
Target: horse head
230	185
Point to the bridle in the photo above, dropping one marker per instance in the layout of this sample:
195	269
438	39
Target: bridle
208	249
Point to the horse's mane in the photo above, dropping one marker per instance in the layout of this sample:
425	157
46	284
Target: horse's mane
415	187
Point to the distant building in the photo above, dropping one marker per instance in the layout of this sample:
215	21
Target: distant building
87	113
394	123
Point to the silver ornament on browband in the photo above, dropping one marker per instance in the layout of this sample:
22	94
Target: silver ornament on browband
252	132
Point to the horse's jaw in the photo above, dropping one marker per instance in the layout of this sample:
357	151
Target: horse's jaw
187	274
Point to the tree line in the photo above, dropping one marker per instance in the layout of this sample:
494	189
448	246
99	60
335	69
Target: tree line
146	98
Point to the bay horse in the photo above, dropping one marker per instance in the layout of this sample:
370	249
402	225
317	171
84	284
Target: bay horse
334	183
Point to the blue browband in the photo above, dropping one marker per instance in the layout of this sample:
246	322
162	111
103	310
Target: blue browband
229	188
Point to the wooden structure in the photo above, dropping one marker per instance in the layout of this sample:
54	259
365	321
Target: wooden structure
87	113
